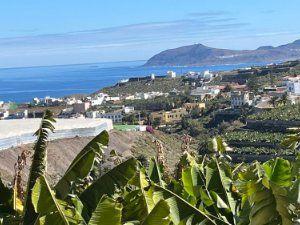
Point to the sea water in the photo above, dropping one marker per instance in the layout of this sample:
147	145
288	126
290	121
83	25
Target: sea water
23	84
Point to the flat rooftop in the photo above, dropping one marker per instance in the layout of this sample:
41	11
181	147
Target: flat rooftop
18	127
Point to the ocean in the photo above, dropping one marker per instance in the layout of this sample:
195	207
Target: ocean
23	84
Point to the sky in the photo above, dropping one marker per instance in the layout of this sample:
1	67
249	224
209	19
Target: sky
58	32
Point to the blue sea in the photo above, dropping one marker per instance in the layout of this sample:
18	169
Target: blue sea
23	84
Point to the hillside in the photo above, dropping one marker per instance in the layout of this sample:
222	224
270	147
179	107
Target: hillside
199	54
62	151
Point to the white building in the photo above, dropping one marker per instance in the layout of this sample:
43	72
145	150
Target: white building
130	97
207	75
205	91
113	99
49	101
152	76
4	115
128	109
293	87
239	99
97	99
116	116
171	74
1	103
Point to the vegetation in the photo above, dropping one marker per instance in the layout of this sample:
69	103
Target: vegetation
160	84
203	190
285	113
254	136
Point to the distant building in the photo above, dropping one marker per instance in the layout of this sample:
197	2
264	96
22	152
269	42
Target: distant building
171	74
81	107
152	76
205	92
167	117
49	101
113	99
116	116
239	99
4	115
128	109
130	97
293	87
1	103
206	75
97	99
194	105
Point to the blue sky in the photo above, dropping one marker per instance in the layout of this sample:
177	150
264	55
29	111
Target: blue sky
44	32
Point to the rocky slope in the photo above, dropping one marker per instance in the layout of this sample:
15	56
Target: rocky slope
199	54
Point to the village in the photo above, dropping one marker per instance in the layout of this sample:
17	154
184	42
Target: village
200	87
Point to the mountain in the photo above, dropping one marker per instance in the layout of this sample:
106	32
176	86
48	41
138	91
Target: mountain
199	54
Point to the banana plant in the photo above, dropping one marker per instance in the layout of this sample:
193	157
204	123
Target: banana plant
38	166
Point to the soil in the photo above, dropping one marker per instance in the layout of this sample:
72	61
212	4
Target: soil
61	152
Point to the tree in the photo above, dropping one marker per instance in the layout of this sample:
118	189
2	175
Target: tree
131	119
156	122
227	88
273	101
252	84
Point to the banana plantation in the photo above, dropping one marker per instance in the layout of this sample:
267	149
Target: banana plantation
202	190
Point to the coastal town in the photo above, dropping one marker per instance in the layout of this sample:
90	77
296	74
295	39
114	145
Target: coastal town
199	87
150	112
197	102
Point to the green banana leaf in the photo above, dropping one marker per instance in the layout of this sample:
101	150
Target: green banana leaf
118	177
155	172
82	164
107	212
159	214
180	209
46	205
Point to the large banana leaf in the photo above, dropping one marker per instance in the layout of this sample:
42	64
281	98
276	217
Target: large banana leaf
219	184
155	172
107	212
192	181
159	215
279	171
180	210
118	177
82	164
46	205
268	200
38	165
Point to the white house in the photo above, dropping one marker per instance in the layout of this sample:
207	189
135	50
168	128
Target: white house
113	99
98	99
171	74
116	116
152	76
205	91
293	87
128	109
4	115
239	99
207	75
